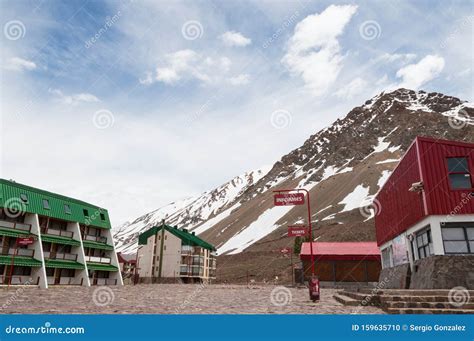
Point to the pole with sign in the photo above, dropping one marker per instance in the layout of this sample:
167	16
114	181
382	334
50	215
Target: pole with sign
290	197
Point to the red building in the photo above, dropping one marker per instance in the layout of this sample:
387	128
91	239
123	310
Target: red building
343	262
425	208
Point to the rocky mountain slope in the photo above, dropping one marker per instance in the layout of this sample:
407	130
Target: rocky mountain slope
342	166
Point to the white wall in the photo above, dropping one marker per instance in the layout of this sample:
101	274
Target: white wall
79	250
434	222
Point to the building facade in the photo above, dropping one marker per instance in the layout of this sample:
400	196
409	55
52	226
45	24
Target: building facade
425	216
127	265
342	262
71	240
167	253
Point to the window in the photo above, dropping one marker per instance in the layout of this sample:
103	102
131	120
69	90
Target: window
458	237
386	256
67	209
424	243
458	172
85	212
102	216
46	204
24	198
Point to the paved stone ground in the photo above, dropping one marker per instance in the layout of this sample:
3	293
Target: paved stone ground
172	299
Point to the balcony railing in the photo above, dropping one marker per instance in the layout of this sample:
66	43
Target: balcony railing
19	280
103	281
15	226
65	281
60	256
99	239
55	232
104	260
19	252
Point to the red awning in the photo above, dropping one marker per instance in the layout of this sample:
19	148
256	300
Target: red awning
341	251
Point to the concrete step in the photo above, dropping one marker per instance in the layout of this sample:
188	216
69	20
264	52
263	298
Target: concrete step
411	292
365	299
345	300
428	305
428	311
424	298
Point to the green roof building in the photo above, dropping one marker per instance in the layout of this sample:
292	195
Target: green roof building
167	253
50	239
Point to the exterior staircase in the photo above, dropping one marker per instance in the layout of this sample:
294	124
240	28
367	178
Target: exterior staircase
395	301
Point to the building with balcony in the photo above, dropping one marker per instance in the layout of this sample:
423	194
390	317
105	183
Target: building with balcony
167	253
425	217
72	245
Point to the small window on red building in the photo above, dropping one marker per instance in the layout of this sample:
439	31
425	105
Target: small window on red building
458	172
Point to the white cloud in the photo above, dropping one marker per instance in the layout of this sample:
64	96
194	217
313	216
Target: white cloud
232	38
352	89
392	57
313	50
241	79
19	64
188	64
73	99
415	75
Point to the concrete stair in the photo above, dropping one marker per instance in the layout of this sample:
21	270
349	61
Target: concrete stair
407	301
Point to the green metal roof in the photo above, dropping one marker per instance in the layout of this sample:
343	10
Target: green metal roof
20	260
101	267
97	245
13	233
10	196
60	240
186	237
63	264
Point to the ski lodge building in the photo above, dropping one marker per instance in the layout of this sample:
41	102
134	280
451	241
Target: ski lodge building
342	262
425	217
48	239
167	254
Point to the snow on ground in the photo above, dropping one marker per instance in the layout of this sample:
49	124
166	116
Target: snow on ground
213	221
329	217
383	178
394	149
387	161
355	199
261	227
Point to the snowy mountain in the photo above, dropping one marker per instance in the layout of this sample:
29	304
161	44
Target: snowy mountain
188	212
342	166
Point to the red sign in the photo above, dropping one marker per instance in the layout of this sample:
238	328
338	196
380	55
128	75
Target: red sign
297	231
285	250
25	241
288	199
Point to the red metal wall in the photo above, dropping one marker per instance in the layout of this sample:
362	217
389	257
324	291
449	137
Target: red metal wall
440	198
397	208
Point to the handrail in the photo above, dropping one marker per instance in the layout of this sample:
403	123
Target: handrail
19	252
56	232
60	256
94	259
15	225
100	239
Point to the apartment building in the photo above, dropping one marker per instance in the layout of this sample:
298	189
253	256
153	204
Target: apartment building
167	253
70	241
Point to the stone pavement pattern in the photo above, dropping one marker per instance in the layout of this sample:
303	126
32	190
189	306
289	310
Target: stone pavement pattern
172	299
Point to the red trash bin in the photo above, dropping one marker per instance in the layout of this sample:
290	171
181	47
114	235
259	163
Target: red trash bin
314	289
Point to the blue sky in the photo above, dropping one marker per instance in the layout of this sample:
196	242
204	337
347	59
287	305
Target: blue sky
134	104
